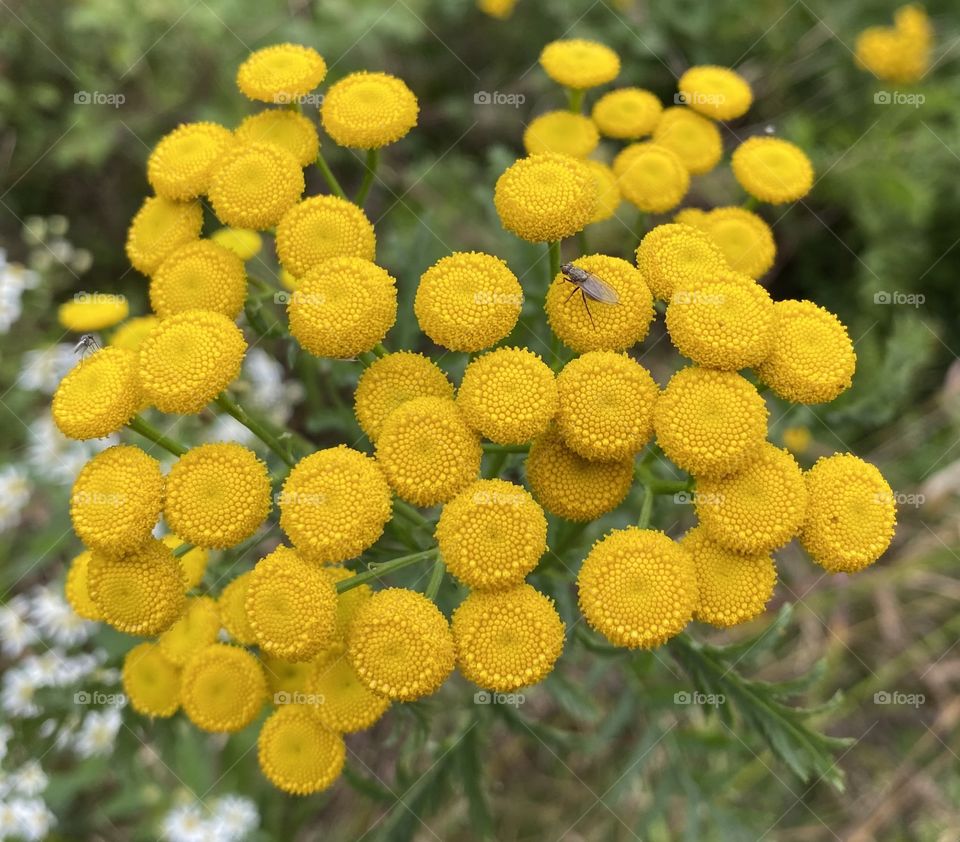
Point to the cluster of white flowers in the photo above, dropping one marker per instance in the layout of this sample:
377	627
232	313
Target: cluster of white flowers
42	369
23	813
14	280
14	494
230	818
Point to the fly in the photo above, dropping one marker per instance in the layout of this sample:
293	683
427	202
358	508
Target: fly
86	345
589	286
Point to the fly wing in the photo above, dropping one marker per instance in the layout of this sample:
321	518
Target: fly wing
596	289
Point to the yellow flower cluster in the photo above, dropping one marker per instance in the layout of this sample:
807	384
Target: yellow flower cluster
899	53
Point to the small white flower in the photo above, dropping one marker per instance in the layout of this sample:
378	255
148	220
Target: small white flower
234	817
54	457
185	823
29	780
16	634
42	369
98	733
14	494
57	620
29	818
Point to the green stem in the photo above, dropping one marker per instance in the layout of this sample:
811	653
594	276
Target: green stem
255	426
148	431
575	100
750	203
496	464
640	227
329	177
410	513
375	571
490	447
554	251
380	350
582	245
262	284
646	510
373	159
182	550
657	485
436	579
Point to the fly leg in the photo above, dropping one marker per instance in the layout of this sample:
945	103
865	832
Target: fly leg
583	295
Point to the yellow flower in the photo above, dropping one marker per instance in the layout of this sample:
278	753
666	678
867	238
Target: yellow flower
508	395
467	301
348	602
138	593
900	53
131	333
195	630
254	185
708	422
744	238
509	639
222	688
725	325
217	495
716	92
562	132
368	110
500	9
116	500
322	227
606	405
732	588
297	754
151	681
607	189
694	217
193	562
292	606
851	514
282	73
579	64
189	359
159	227
602	327
400	645
286	678
99	395
651	176
772	170
812	358
347	704
758	509
571	487
670	256
245	243
627	113
342	307
544	198
77	591
797	439
428	451
180	164
285	129
492	534
334	504
199	276
637	588
87	312
232	605
694	139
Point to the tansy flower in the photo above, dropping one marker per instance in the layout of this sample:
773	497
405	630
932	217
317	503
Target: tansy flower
199	276
772	170
467	301
562	132
116	499
88	313
607	189
131	333
392	381
572	487
99	395
285	129
222	688
285	677
138	593
811	359
900	53
189	359
348	602
708	422
606	405
159	227
717	92
428	451
731	588
758	509
695	140
797	439
851	514
342	307
400	645
637	588
180	164
744	238
245	243
723	325
606	327
217	495
670	256
546	197
193	562
506	640
151	681
322	227
297	753
368	110
500	9
651	176
348	704
579	64
508	395
196	629
232	607
281	73
334	504
627	113
254	185
492	534
694	217
77	591
292	606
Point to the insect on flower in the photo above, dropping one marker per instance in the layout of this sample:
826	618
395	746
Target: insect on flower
589	286
87	345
